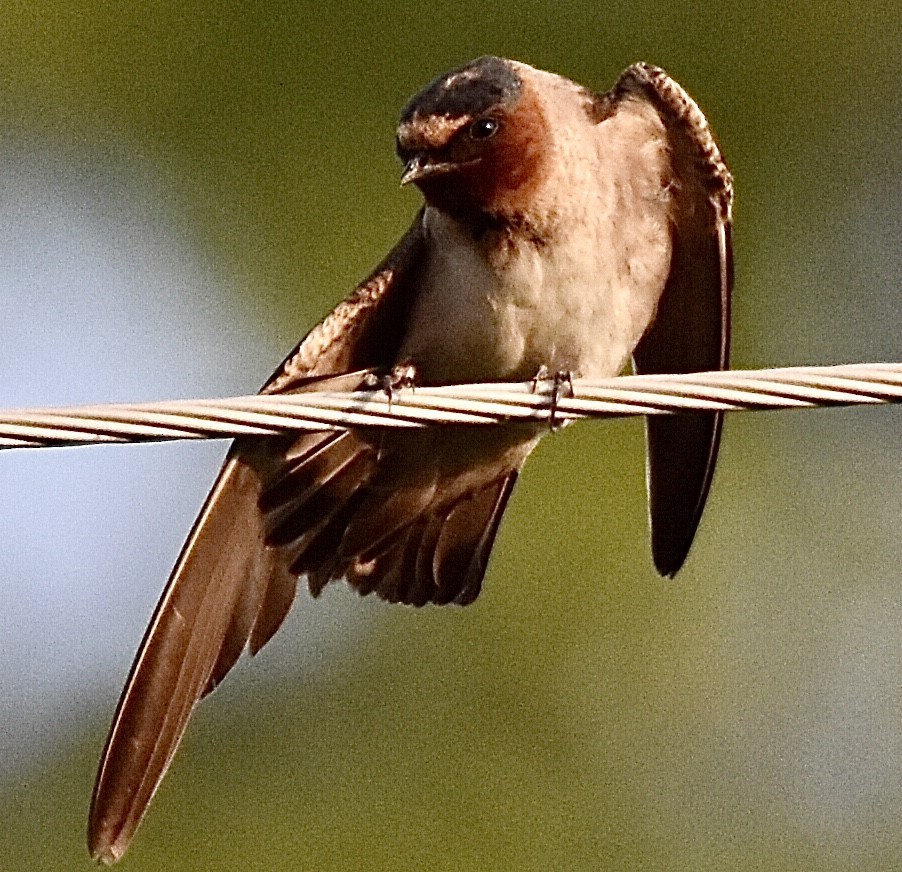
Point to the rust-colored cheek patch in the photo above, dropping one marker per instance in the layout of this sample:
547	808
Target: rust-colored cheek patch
509	179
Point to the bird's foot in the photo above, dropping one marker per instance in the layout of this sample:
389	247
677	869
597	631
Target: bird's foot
561	381
402	375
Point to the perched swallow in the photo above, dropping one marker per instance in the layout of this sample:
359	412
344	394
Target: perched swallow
561	229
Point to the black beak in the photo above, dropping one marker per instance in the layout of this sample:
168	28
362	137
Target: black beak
420	167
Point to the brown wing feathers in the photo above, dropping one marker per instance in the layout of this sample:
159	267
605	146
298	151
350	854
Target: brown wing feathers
691	330
280	509
189	633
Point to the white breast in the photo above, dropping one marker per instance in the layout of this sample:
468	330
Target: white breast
497	310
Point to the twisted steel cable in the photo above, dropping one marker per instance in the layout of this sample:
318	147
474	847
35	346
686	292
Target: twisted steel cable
472	404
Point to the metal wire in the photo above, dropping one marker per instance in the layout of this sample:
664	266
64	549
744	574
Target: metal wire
473	404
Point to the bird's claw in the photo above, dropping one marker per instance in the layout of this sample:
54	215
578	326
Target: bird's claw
402	375
561	380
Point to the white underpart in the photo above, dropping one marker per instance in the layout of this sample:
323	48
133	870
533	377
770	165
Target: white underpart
498	310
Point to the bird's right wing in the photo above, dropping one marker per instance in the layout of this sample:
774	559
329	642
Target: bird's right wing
227	587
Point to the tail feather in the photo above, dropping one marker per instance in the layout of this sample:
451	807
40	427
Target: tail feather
395	572
303	501
277	600
425	557
440	557
463	549
318	557
312	460
244	616
381	516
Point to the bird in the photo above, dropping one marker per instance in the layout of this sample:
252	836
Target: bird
562	231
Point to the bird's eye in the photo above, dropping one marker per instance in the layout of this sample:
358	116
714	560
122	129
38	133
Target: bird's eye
484	128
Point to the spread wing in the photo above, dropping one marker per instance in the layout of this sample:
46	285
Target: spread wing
691	331
227	588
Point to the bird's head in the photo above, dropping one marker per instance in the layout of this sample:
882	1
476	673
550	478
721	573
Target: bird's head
474	140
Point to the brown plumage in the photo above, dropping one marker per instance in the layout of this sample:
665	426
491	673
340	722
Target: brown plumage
561	228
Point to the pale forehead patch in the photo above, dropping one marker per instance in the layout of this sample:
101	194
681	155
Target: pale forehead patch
433	131
462	76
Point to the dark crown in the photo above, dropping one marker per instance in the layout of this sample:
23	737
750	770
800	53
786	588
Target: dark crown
467	90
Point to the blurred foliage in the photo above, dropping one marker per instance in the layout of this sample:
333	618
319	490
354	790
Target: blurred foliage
584	714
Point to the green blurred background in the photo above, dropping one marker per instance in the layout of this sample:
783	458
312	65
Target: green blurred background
583	714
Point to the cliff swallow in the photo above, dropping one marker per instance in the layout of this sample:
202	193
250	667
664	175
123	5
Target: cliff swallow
561	229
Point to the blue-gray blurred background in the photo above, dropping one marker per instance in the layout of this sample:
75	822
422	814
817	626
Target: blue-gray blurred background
184	191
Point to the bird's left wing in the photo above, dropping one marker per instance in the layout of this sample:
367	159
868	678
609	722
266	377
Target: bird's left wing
691	331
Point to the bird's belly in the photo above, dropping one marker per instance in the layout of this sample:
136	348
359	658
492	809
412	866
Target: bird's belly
558	309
